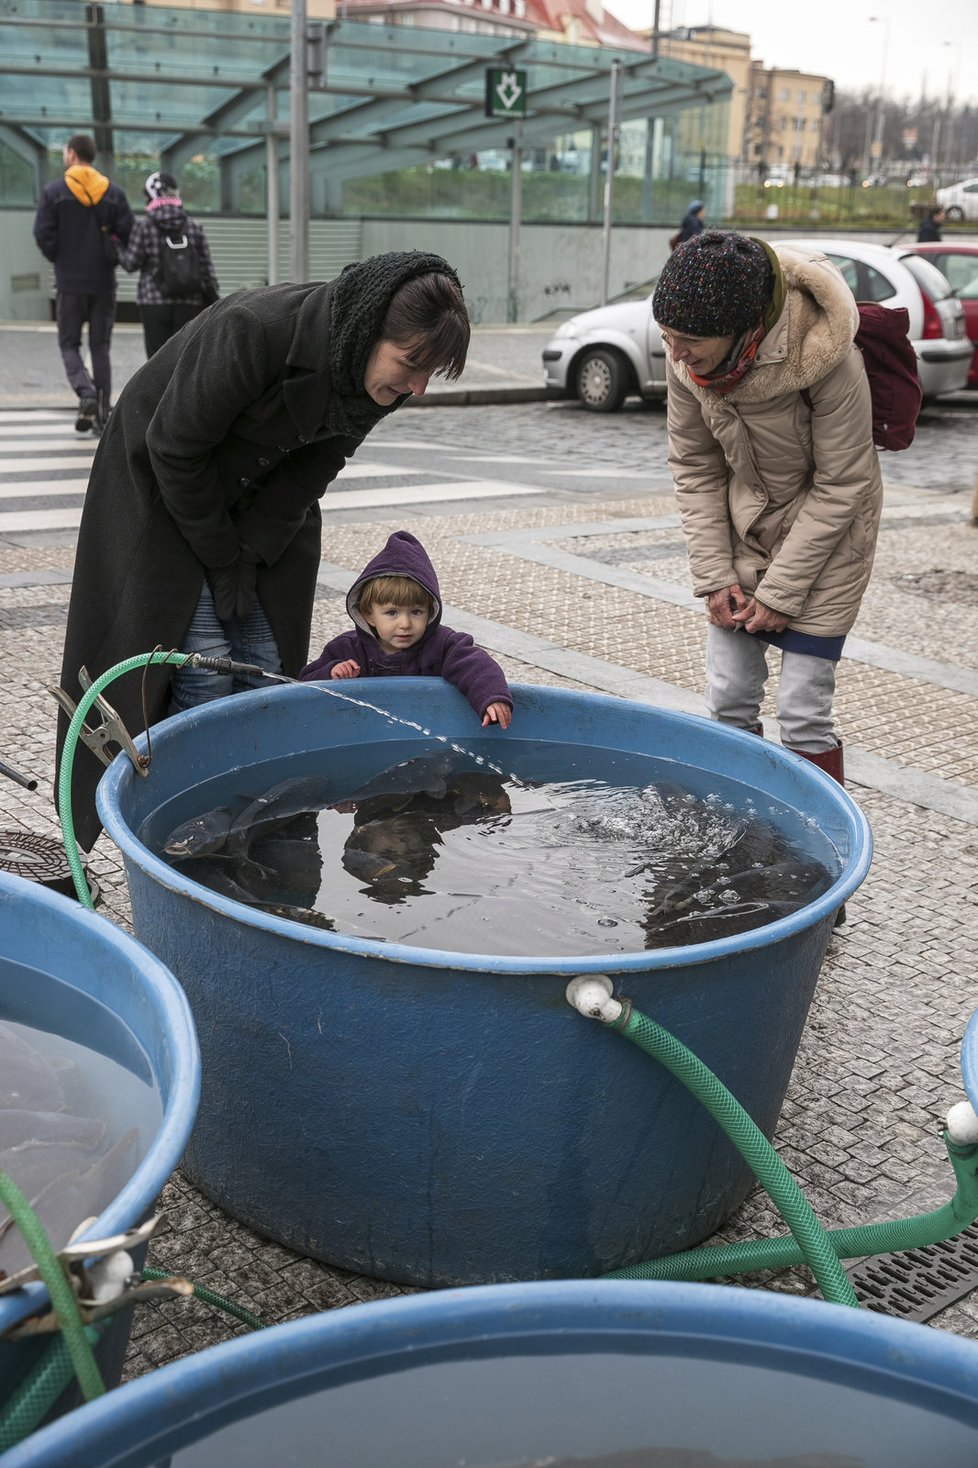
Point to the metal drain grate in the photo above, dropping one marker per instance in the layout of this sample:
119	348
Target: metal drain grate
919	1283
40	859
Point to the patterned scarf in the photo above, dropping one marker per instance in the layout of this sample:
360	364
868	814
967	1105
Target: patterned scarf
727	378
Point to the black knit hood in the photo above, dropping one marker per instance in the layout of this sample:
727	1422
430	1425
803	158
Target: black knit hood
361	297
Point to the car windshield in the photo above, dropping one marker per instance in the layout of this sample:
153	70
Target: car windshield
928	277
961	271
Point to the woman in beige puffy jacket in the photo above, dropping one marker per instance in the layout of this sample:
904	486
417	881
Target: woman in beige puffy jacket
778	482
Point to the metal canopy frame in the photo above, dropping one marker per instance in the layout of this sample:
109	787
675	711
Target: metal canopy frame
186	81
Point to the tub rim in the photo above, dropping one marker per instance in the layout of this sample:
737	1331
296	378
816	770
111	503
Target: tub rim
171	1009
367	1341
120	774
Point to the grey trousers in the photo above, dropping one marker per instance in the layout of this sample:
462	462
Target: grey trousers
99	312
736	673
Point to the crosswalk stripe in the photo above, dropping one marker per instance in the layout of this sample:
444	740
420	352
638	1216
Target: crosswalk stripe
25	490
78	443
39	415
18	521
466	489
29	466
373	471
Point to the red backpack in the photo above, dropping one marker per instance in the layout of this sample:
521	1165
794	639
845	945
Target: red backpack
891	367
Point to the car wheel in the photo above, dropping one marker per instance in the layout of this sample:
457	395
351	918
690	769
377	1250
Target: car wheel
955	214
602	381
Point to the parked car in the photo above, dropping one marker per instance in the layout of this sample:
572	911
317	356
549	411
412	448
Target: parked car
603	356
959	265
937	326
959	200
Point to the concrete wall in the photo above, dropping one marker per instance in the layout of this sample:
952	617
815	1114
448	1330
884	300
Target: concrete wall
560	266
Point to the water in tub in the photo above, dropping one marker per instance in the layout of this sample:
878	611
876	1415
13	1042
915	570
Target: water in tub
568	851
76	1114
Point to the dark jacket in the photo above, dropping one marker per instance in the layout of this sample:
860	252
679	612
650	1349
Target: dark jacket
692	225
67	228
929	232
440	653
229	434
167	217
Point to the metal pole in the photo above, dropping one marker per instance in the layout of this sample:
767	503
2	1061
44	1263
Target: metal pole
609	176
299	145
877	149
515	213
655	30
271	187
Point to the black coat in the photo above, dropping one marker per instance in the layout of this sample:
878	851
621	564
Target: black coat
220	438
68	234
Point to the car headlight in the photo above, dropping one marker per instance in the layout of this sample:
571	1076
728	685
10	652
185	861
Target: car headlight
567	329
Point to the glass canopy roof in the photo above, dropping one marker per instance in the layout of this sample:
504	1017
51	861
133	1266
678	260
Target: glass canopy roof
180	82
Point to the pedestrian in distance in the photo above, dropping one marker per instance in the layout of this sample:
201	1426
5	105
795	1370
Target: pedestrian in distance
176	274
930	225
395	604
80	221
777	478
201	526
693	223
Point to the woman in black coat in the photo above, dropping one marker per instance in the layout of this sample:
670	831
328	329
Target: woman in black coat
201	523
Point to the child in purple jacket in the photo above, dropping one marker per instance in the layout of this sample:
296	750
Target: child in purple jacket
396	605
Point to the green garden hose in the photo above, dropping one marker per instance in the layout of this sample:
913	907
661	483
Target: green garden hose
62	1296
141	660
32	1399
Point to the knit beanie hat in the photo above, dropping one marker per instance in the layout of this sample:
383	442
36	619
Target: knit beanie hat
160	186
716	284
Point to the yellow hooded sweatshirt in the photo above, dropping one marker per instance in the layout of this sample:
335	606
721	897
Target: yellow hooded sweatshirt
86	183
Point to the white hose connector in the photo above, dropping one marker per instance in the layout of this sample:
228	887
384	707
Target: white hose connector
962	1124
110	1276
591	995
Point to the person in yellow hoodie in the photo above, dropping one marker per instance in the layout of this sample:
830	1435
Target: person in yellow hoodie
78	219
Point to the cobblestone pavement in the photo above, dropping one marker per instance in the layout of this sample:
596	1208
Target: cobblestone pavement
556	541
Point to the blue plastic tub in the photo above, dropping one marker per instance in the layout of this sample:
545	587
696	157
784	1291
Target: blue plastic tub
560	1373
46	939
444	1118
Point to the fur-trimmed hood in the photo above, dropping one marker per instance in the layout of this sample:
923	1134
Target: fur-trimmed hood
812	336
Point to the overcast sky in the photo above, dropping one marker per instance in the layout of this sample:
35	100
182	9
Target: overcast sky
835	38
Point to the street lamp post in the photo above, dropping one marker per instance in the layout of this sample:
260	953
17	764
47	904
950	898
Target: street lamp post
876	152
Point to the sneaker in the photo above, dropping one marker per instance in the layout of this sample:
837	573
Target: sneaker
87	413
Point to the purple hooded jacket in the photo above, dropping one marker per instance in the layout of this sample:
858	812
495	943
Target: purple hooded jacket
439	653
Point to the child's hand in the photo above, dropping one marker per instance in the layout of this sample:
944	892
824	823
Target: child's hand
349	669
497	713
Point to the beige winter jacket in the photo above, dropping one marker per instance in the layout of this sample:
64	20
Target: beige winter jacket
773	490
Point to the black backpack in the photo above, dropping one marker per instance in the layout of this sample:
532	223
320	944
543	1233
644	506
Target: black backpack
179	272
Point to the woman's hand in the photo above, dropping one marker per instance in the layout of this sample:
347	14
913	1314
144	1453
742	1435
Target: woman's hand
349	669
721	605
758	618
497	713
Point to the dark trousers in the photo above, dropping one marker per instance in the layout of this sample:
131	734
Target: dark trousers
162	322
99	312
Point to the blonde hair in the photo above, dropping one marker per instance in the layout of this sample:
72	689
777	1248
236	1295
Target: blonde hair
396	591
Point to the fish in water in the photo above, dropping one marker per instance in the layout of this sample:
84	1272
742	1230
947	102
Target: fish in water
222	831
27	1079
394	788
201	836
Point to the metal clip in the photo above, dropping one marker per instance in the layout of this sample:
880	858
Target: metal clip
73	1254
110	731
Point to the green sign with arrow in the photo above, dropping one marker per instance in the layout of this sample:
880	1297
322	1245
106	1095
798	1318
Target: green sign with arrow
505	92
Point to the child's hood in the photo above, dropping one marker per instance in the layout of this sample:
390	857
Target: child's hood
403	555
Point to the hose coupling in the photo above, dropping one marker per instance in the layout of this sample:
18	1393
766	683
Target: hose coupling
962	1124
225	666
593	996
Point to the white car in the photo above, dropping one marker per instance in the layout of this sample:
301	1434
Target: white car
937	325
606	355
960	200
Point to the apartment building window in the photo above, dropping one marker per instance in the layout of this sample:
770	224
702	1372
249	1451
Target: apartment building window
784	95
802	96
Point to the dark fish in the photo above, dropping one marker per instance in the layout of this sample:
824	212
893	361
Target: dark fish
201	835
784	880
294	862
392	789
367	866
17	1127
752	844
27	1080
476	793
217	873
304	793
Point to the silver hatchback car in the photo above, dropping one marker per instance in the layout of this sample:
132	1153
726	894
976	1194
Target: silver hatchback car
613	352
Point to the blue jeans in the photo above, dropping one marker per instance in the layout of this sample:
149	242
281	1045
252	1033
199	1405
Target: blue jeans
248	641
